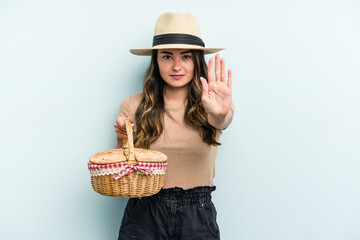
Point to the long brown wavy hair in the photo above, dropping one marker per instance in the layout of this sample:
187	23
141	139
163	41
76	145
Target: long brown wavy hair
149	115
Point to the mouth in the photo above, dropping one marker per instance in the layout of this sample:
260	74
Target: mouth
177	76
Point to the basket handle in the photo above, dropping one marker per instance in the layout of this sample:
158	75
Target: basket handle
128	145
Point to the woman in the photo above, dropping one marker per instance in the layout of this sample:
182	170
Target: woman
181	112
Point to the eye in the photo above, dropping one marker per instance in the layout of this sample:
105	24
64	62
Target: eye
186	57
166	57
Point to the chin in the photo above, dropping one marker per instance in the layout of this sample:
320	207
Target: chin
177	85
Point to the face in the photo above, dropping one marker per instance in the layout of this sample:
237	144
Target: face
176	66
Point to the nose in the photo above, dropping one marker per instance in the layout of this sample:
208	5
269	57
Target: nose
176	64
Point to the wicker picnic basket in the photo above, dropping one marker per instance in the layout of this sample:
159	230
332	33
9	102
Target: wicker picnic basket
128	171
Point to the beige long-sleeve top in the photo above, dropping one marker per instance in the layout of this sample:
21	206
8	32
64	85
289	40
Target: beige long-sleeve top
191	161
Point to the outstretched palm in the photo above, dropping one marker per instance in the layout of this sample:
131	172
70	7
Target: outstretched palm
216	95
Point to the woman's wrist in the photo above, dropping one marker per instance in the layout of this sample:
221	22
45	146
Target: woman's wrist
217	121
119	142
221	121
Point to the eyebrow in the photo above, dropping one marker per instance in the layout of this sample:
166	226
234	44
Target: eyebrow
186	52
166	52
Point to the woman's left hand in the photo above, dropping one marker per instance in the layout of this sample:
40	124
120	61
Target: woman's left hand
216	95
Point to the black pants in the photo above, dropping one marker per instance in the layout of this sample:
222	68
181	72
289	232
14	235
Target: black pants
171	214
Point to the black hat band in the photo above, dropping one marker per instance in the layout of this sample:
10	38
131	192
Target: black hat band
177	38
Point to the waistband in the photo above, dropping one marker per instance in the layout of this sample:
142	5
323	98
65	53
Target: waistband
179	196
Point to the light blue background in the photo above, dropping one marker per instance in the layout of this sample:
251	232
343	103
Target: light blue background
289	164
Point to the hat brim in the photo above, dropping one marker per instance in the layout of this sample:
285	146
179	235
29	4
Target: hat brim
148	51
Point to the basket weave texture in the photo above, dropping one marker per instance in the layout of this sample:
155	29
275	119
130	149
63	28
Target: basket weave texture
111	177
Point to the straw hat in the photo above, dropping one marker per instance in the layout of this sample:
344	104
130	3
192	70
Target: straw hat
179	31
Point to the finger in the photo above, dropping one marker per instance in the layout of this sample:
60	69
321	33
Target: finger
223	70
121	121
121	131
120	135
217	67
205	87
211	70
128	119
229	83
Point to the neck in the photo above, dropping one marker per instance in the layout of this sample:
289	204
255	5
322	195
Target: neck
175	95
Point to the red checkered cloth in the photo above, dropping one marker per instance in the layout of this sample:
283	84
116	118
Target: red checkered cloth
121	169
